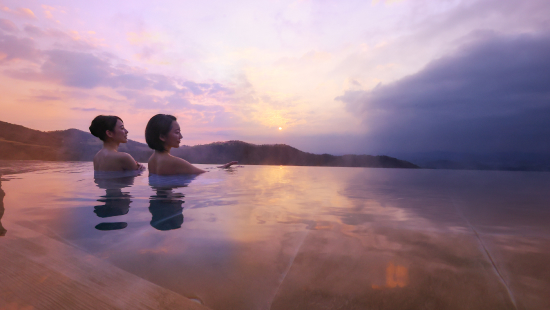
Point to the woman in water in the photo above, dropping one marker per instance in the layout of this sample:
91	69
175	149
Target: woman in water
163	133
110	129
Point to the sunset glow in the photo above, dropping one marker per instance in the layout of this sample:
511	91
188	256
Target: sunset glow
236	70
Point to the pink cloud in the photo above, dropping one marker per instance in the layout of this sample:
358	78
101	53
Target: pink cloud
20	12
7	25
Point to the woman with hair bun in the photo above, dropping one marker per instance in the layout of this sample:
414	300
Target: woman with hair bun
163	133
110	129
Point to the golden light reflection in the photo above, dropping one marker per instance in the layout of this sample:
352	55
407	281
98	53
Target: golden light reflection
396	276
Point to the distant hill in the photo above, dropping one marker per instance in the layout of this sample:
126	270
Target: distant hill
279	154
18	142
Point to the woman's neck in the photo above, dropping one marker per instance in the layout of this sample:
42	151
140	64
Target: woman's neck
163	153
111	145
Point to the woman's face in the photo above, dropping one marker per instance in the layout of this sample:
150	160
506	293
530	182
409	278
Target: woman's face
119	133
173	138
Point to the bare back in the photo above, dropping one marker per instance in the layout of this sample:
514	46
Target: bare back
109	160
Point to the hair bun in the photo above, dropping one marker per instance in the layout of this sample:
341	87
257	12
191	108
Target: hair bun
102	123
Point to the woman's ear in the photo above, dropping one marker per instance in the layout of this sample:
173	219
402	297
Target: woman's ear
162	138
109	133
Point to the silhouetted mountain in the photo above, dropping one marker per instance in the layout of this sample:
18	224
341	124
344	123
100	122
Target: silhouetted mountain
279	154
80	145
18	142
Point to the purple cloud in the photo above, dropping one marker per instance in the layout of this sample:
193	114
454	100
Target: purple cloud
218	88
195	88
7	25
88	70
33	30
16	48
76	69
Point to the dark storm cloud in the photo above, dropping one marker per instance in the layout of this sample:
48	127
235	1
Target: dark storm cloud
492	95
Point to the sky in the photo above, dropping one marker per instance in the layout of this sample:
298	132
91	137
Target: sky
365	77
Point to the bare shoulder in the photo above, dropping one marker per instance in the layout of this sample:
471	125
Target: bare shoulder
126	160
124	156
179	165
176	165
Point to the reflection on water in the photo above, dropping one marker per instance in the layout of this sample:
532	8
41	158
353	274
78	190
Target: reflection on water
2	194
115	201
269	237
166	205
396	276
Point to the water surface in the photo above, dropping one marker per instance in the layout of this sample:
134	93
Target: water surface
276	237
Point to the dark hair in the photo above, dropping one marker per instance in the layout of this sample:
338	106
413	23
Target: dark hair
102	123
158	125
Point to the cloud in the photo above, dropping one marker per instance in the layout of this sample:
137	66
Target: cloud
62	40
90	70
26	12
46	98
35	31
218	88
490	95
89	109
195	88
76	69
177	101
20	12
7	25
48	11
45	55
14	48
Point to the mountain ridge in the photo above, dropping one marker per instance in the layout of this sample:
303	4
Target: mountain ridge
19	142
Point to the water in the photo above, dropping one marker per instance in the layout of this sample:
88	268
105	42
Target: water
270	237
